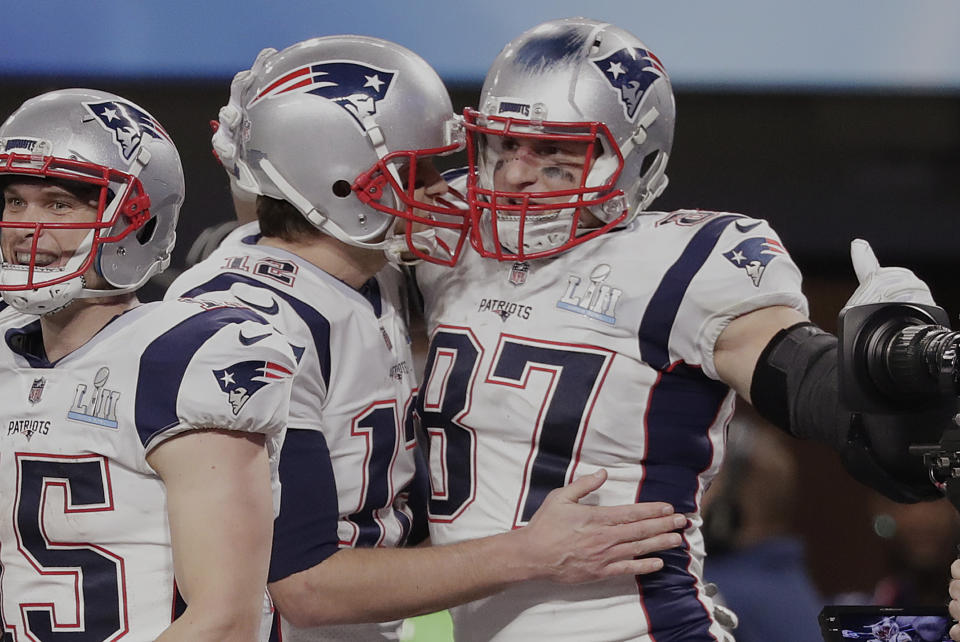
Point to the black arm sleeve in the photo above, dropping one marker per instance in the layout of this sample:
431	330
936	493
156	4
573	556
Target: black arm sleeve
796	387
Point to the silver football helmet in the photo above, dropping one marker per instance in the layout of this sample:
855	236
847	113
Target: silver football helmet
107	142
337	126
578	81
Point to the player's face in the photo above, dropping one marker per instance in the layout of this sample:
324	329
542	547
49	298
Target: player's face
531	165
430	187
428	184
42	202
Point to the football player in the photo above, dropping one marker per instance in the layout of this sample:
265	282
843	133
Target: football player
137	484
581	335
335	137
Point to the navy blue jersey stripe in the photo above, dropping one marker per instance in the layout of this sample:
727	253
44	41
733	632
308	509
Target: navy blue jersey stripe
305	532
683	404
318	324
371	292
165	361
179	606
455	173
27	341
662	310
670	600
419	498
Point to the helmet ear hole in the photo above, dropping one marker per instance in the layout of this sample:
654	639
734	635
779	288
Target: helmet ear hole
145	233
648	162
341	188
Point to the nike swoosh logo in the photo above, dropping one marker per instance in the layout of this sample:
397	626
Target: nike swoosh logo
273	309
249	341
745	228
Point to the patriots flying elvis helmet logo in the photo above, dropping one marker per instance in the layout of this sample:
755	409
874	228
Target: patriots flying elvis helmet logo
754	254
128	124
630	71
241	380
354	86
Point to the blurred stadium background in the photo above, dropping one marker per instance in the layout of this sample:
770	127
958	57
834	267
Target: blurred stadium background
830	119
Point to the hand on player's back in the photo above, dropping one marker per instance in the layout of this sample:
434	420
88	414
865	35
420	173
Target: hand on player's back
570	542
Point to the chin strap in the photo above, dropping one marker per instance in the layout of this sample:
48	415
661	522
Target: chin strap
87	293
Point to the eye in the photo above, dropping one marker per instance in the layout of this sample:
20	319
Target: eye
509	144
556	173
548	150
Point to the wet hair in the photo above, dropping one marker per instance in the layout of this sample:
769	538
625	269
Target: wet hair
280	219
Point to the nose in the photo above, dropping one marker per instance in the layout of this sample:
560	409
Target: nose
519	170
29	213
434	185
26	214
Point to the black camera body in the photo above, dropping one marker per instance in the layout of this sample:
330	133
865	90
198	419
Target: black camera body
896	356
901	357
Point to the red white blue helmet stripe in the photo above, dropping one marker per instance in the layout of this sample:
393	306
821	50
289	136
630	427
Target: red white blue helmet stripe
354	86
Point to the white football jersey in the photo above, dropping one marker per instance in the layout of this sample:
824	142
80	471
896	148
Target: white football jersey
542	372
8	313
84	539
349	464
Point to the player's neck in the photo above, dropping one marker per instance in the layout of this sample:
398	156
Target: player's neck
68	329
352	265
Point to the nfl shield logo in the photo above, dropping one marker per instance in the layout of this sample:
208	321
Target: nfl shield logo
36	390
518	275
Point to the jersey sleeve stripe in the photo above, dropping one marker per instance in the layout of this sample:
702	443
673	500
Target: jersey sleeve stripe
170	354
305	532
683	405
318	324
671	601
661	313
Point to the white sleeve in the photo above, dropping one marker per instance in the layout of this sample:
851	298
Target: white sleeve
234	374
747	269
225	369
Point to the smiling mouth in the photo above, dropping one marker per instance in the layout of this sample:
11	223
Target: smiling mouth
528	214
515	201
41	260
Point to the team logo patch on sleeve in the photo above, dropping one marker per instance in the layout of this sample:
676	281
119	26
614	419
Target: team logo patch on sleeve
754	254
630	71
242	380
354	86
128	124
